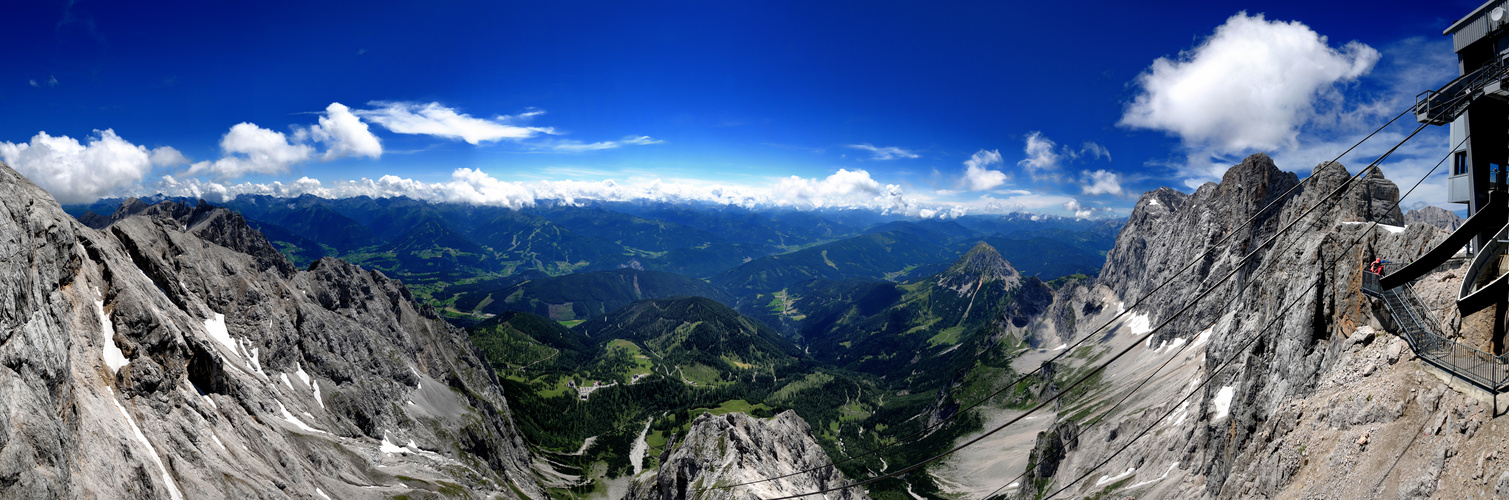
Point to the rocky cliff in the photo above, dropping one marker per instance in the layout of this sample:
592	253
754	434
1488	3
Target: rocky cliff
1292	393
734	448
173	354
1441	218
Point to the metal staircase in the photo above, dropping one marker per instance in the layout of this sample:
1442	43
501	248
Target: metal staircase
1417	326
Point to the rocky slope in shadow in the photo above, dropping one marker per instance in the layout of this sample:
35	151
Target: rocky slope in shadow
173	354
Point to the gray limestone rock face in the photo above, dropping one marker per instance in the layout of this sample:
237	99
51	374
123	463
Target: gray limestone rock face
1262	367
175	354
734	448
1438	217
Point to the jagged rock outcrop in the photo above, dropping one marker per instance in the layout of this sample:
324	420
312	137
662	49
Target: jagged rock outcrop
1047	454
734	448
1225	432
170	355
1441	218
1075	302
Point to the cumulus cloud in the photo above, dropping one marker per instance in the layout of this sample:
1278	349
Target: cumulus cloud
1099	182
441	121
1251	85
1041	157
251	149
885	153
978	176
76	172
1079	211
166	156
842	189
344	134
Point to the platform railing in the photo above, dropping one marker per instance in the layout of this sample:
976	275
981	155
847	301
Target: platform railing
1419	329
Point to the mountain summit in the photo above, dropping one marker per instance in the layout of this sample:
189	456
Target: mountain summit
981	264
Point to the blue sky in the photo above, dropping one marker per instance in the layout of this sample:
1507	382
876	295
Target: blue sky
918	108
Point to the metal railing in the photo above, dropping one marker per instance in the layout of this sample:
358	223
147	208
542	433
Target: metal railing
1416	325
1440	107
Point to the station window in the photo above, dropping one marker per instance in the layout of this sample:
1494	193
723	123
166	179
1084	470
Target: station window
1459	163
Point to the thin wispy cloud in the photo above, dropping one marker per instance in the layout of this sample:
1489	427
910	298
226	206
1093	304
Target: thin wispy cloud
569	146
884	153
1045	158
433	119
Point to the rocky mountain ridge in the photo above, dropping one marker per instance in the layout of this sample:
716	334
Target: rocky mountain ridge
1441	218
170	355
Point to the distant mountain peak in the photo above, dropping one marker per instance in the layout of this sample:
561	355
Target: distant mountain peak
981	263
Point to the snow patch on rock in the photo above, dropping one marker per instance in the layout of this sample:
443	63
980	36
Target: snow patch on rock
1222	402
114	358
151	451
295	420
303	376
1139	323
216	327
1111	479
389	448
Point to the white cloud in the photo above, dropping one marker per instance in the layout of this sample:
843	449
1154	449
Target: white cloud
1080	211
344	134
842	189
33	83
81	173
251	149
1041	157
166	156
642	140
580	147
440	121
885	153
1251	85
1045	157
977	174
1094	150
1099	182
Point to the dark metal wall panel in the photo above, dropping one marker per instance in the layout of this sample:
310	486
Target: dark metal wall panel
1469	32
1475	26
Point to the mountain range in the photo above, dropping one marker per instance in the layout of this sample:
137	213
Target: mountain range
835	337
